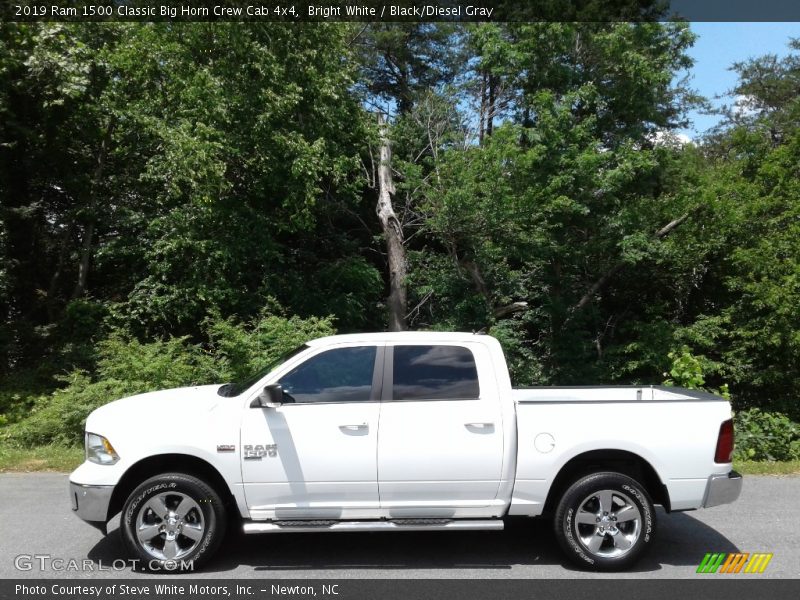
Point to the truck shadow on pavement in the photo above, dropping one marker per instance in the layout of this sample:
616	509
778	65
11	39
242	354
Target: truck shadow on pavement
682	541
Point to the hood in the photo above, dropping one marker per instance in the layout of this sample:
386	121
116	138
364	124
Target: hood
148	411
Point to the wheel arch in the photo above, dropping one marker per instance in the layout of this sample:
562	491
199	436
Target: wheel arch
167	463
620	461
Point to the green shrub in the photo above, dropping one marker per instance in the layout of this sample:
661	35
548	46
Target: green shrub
524	367
243	348
58	418
766	436
686	369
127	366
17	394
161	364
75	337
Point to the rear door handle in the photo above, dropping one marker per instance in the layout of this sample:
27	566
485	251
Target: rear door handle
479	425
354	427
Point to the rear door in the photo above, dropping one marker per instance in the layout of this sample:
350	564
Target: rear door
440	443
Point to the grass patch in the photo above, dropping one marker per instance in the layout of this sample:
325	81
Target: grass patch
750	467
41	458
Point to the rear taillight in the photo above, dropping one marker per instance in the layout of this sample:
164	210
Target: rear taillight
724	453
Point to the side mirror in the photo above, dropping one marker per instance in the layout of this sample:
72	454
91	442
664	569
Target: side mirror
270	397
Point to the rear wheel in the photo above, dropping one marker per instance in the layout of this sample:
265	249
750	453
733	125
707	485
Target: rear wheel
172	521
605	521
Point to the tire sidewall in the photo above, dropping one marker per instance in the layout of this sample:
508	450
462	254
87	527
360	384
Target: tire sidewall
213	517
569	505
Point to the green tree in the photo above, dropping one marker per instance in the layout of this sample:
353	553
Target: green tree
254	168
401	61
53	159
561	203
187	169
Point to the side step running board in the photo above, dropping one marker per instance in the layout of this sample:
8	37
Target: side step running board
398	525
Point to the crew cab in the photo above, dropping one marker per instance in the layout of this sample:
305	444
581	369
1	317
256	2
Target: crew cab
401	432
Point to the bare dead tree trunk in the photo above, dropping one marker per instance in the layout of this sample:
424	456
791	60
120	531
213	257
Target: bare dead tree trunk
393	231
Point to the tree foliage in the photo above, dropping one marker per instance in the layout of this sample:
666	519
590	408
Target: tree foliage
126	366
190	196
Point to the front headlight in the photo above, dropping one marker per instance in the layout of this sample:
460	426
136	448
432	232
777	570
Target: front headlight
99	450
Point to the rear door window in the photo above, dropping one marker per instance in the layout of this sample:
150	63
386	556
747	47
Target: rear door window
434	373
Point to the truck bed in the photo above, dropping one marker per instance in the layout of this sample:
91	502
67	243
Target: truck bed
621	393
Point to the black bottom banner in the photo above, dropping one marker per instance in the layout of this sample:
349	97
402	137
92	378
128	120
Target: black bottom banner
399	589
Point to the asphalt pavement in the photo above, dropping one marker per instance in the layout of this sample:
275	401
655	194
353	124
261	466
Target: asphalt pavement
36	521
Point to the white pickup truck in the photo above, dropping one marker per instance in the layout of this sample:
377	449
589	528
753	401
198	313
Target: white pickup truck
400	432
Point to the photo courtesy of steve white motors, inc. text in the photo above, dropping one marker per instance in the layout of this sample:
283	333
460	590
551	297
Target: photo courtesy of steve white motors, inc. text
70	590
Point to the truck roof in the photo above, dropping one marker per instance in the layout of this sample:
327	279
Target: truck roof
399	336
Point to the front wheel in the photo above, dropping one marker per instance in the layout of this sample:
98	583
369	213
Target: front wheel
173	522
605	521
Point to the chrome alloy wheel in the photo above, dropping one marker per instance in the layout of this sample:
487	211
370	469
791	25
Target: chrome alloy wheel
608	523
170	525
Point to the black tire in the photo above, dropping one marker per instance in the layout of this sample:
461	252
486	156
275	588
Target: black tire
185	516
605	521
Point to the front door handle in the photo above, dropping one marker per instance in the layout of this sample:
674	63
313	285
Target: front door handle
479	425
354	427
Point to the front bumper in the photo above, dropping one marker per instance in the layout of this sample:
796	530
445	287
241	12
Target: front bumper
91	502
722	489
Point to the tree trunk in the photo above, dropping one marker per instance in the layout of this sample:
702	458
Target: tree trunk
392	230
52	290
482	121
608	275
88	233
83	265
501	312
492	107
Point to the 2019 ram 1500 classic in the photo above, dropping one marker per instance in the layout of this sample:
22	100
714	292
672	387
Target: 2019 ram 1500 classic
401	432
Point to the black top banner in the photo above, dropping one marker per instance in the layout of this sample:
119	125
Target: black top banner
399	10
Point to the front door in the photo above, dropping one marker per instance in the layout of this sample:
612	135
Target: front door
315	456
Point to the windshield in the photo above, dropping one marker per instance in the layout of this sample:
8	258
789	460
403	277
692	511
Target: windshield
237	387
